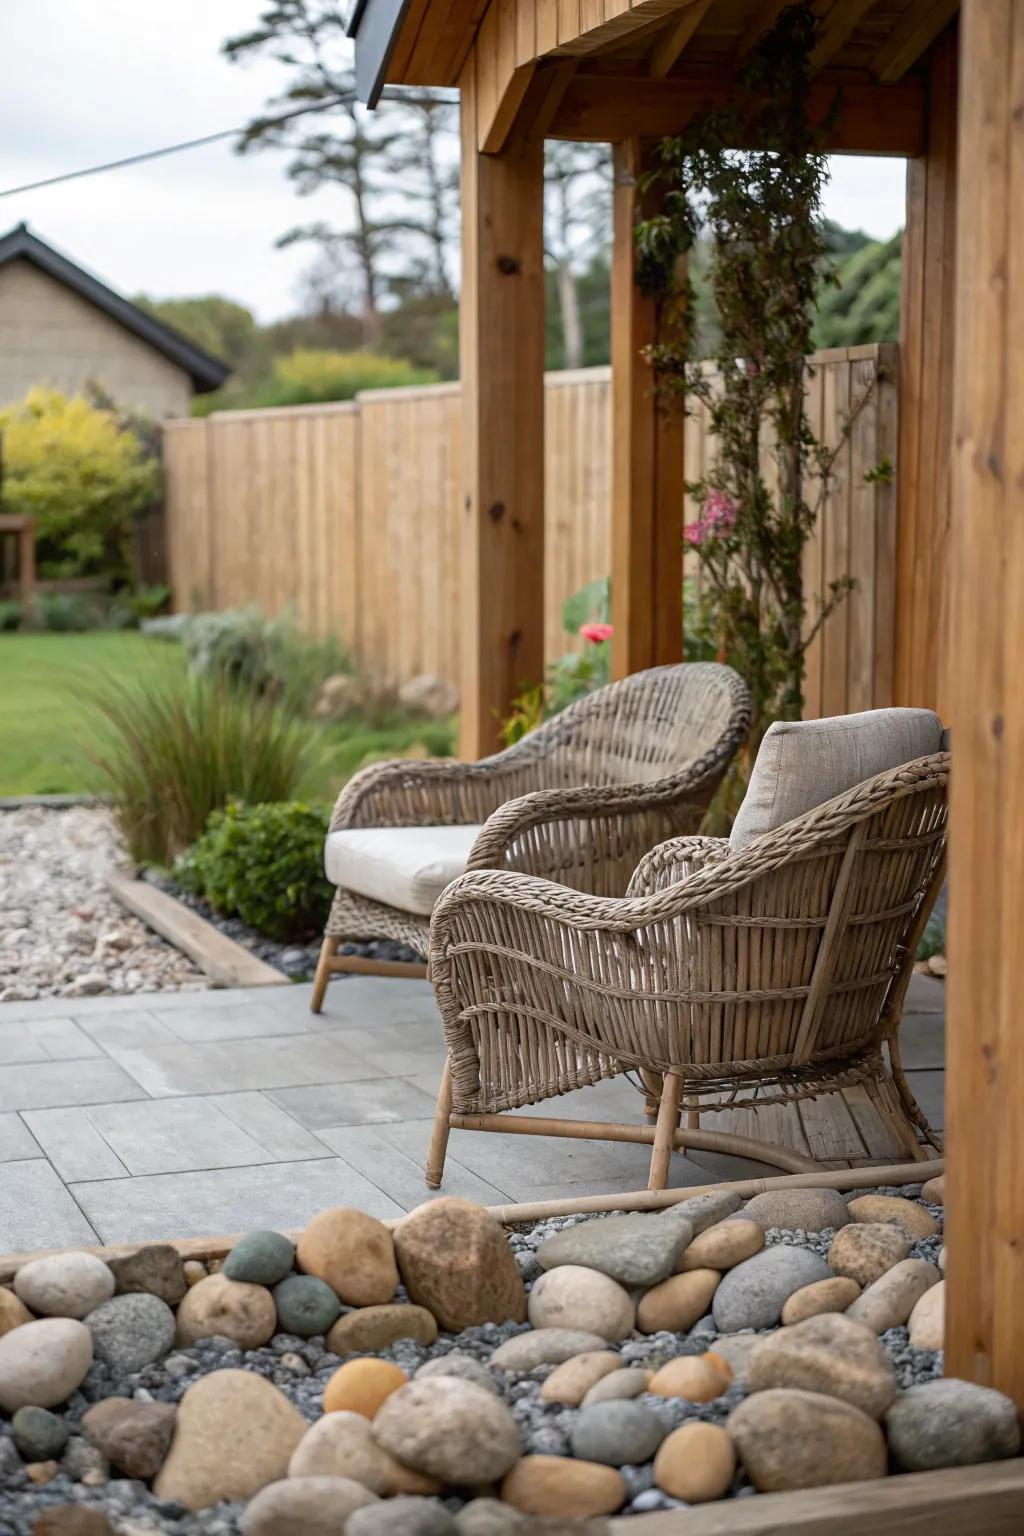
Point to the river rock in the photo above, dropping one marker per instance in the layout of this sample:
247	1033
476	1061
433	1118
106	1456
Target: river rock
305	1306
594	1302
890	1300
352	1253
893	1211
132	1331
692	1377
570	1382
703	1211
544	1346
231	1309
489	1517
828	1354
635	1250
560	1486
865	1250
696	1463
368	1330
455	1261
361	1386
64	1284
235	1434
133	1436
43	1362
789	1439
736	1349
821	1296
723	1246
935	1190
754	1293
449	1429
39	1434
466	1367
402	1517
260	1258
12	1311
155	1268
305	1506
927	1323
71	1520
617	1434
341	1445
951	1423
805	1210
617	1386
677	1303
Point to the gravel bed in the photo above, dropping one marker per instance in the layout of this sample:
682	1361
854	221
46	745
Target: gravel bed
62	934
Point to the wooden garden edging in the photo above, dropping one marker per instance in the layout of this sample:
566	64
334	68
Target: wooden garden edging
226	963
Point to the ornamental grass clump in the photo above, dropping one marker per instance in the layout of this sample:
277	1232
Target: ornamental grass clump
169	753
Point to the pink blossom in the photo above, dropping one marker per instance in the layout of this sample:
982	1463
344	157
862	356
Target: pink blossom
596	633
696	533
719	511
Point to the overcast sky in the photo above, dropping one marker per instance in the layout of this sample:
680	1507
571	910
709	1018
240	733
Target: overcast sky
83	82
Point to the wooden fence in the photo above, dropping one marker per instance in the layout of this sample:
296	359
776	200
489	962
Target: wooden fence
350	513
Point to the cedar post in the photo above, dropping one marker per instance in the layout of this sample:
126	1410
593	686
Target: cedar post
501	326
985	1047
647	460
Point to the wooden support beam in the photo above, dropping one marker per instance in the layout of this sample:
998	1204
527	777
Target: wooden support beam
927	371
647	460
912	36
501	333
672	41
588	26
984	1054
860	117
504	69
836	28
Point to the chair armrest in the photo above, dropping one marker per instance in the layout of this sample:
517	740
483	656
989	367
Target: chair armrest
435	792
674	861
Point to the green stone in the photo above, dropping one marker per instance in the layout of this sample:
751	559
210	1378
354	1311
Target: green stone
39	1434
261	1258
305	1306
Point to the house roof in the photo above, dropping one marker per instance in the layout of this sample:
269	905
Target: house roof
206	372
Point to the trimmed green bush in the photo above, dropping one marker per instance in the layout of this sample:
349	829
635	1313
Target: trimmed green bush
264	864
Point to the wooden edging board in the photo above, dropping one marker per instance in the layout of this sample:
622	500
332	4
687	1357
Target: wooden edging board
226	963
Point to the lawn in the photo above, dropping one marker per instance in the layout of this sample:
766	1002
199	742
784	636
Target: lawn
44	727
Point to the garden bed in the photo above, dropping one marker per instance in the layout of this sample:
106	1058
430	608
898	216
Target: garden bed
470	1315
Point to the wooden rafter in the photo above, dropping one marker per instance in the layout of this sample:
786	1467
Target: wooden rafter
762	22
673	39
912	36
836	28
588	26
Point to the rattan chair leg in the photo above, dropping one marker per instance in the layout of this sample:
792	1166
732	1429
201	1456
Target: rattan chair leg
652	1081
439	1135
328	950
665	1130
911	1108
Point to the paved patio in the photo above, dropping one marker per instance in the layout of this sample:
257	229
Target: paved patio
186	1114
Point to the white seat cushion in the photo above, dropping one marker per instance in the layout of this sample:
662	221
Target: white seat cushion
404	867
803	763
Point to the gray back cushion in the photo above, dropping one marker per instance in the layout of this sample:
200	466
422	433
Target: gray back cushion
803	763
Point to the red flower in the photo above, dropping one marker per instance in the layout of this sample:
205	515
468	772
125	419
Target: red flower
596	633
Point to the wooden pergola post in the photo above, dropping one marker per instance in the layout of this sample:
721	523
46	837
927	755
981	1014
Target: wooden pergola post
501	339
647	460
985	1042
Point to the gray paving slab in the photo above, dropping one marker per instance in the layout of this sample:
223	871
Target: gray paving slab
929	1089
374	1000
925	994
18	1045
235	1021
62	1039
177	1135
512	1163
381	1100
50	1084
16	1140
923	1040
226	1200
401	1175
74	1145
125	1030
282	1061
37	1211
276	1131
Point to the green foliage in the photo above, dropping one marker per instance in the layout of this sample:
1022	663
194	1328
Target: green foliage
64	613
933	940
83	475
357	741
10	615
590	605
220	326
863	303
308	376
144	602
268	656
264	864
171	751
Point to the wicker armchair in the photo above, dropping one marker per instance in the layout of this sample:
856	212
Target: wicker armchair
578	801
737	978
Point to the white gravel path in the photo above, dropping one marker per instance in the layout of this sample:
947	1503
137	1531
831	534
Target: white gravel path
61	932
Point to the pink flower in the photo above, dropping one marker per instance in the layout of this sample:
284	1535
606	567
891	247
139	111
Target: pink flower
719	511
696	533
596	633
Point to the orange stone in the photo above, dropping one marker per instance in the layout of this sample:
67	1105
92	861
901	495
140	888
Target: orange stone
719	1362
361	1386
695	1463
560	1486
693	1377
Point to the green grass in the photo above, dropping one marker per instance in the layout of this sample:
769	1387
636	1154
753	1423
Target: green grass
45	725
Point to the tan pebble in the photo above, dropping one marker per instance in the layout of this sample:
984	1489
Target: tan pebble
561	1486
691	1377
234	1434
451	1429
787	1439
570	1383
720	1363
571	1296
370	1329
42	1471
214	1266
935	1190
619	1386
833	1295
677	1303
695	1463
928	1319
195	1270
936	965
890	1300
830	1354
353	1253
13	1313
893	1211
232	1309
341	1445
722	1246
304	1506
456	1261
863	1251
361	1386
